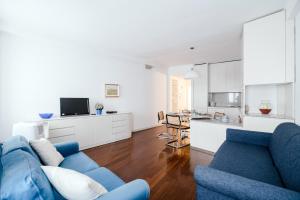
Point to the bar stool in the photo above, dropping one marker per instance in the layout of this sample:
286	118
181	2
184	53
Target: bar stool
174	122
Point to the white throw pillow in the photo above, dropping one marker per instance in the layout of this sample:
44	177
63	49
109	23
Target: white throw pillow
73	185
47	152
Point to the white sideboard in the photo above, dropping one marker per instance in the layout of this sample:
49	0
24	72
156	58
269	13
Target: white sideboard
90	131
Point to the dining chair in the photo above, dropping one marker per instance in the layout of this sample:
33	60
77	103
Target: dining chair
162	121
174	121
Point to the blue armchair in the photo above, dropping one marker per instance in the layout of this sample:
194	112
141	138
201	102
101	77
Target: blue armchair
20	167
253	165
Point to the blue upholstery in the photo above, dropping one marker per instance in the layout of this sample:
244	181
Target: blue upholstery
17	142
250	161
285	148
134	190
79	162
22	176
206	194
104	176
67	149
238	187
254	165
248	137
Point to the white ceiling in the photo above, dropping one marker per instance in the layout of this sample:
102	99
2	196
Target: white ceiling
157	31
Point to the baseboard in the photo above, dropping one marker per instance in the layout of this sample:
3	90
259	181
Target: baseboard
203	150
146	128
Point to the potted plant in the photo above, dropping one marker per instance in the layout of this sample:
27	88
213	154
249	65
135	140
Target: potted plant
99	107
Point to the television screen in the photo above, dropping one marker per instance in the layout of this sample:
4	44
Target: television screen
74	106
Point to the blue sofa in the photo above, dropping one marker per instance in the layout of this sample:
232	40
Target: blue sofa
22	177
253	165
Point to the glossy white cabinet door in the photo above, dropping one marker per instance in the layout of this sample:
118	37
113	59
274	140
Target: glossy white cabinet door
234	76
217	77
290	50
264	50
84	132
225	77
208	136
102	130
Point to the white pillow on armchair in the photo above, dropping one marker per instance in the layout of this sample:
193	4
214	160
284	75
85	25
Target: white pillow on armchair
47	152
73	185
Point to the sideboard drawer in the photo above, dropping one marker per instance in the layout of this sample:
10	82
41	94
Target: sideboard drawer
59	132
120	129
67	138
63	123
121	117
124	123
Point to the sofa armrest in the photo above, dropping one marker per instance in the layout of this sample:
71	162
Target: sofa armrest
67	148
248	137
137	189
238	187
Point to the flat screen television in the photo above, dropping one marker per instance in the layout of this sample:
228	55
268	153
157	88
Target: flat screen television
74	106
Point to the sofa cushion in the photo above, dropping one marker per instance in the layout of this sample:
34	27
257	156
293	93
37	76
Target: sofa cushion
23	177
204	194
250	161
17	142
47	152
107	178
102	175
79	162
72	184
285	150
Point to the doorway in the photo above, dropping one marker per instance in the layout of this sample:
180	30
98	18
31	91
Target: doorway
180	94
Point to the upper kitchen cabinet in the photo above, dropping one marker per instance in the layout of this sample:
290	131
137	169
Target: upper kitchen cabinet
265	50
225	77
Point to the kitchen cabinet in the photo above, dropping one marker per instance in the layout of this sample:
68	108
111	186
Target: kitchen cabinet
225	77
234	76
263	123
208	135
265	51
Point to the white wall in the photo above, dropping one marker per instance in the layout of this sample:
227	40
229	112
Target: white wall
35	73
200	89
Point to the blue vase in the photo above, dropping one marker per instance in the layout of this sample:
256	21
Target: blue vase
98	112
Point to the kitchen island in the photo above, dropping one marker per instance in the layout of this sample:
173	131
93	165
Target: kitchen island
209	134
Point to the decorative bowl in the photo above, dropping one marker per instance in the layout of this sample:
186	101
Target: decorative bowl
265	111
45	115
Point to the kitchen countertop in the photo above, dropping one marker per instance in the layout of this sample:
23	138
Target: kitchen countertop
214	121
269	116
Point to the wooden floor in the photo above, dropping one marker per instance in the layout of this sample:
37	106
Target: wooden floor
168	171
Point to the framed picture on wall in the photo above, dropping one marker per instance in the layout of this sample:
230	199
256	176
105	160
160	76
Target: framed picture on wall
112	90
